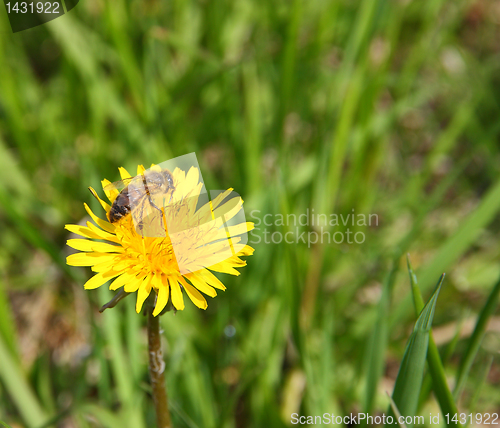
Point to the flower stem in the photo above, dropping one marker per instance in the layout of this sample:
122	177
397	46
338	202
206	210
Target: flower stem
156	372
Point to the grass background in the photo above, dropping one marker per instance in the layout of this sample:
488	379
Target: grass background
382	107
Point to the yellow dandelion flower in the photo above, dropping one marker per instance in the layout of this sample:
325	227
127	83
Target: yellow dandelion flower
197	241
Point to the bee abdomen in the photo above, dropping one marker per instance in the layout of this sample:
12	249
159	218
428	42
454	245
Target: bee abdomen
120	207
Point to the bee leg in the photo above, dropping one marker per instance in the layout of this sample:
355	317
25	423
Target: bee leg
161	212
171	194
154	205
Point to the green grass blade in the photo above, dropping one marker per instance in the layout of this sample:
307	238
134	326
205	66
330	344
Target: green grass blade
375	352
119	365
396	411
289	56
253	112
409	380
475	339
479	383
104	416
32	234
7	325
17	387
457	244
436	369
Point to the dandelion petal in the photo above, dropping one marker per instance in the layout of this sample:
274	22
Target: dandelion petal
162	299
202	285
195	296
143	293
99	279
177	299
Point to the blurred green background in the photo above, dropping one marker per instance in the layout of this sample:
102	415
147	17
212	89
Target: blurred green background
379	107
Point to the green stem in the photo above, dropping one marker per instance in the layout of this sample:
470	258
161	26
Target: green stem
156	372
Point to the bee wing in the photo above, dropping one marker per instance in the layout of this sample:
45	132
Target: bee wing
120	184
148	218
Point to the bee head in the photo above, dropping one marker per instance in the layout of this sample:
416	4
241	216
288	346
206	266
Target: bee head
169	179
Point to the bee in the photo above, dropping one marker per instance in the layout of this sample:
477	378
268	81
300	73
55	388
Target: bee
140	196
